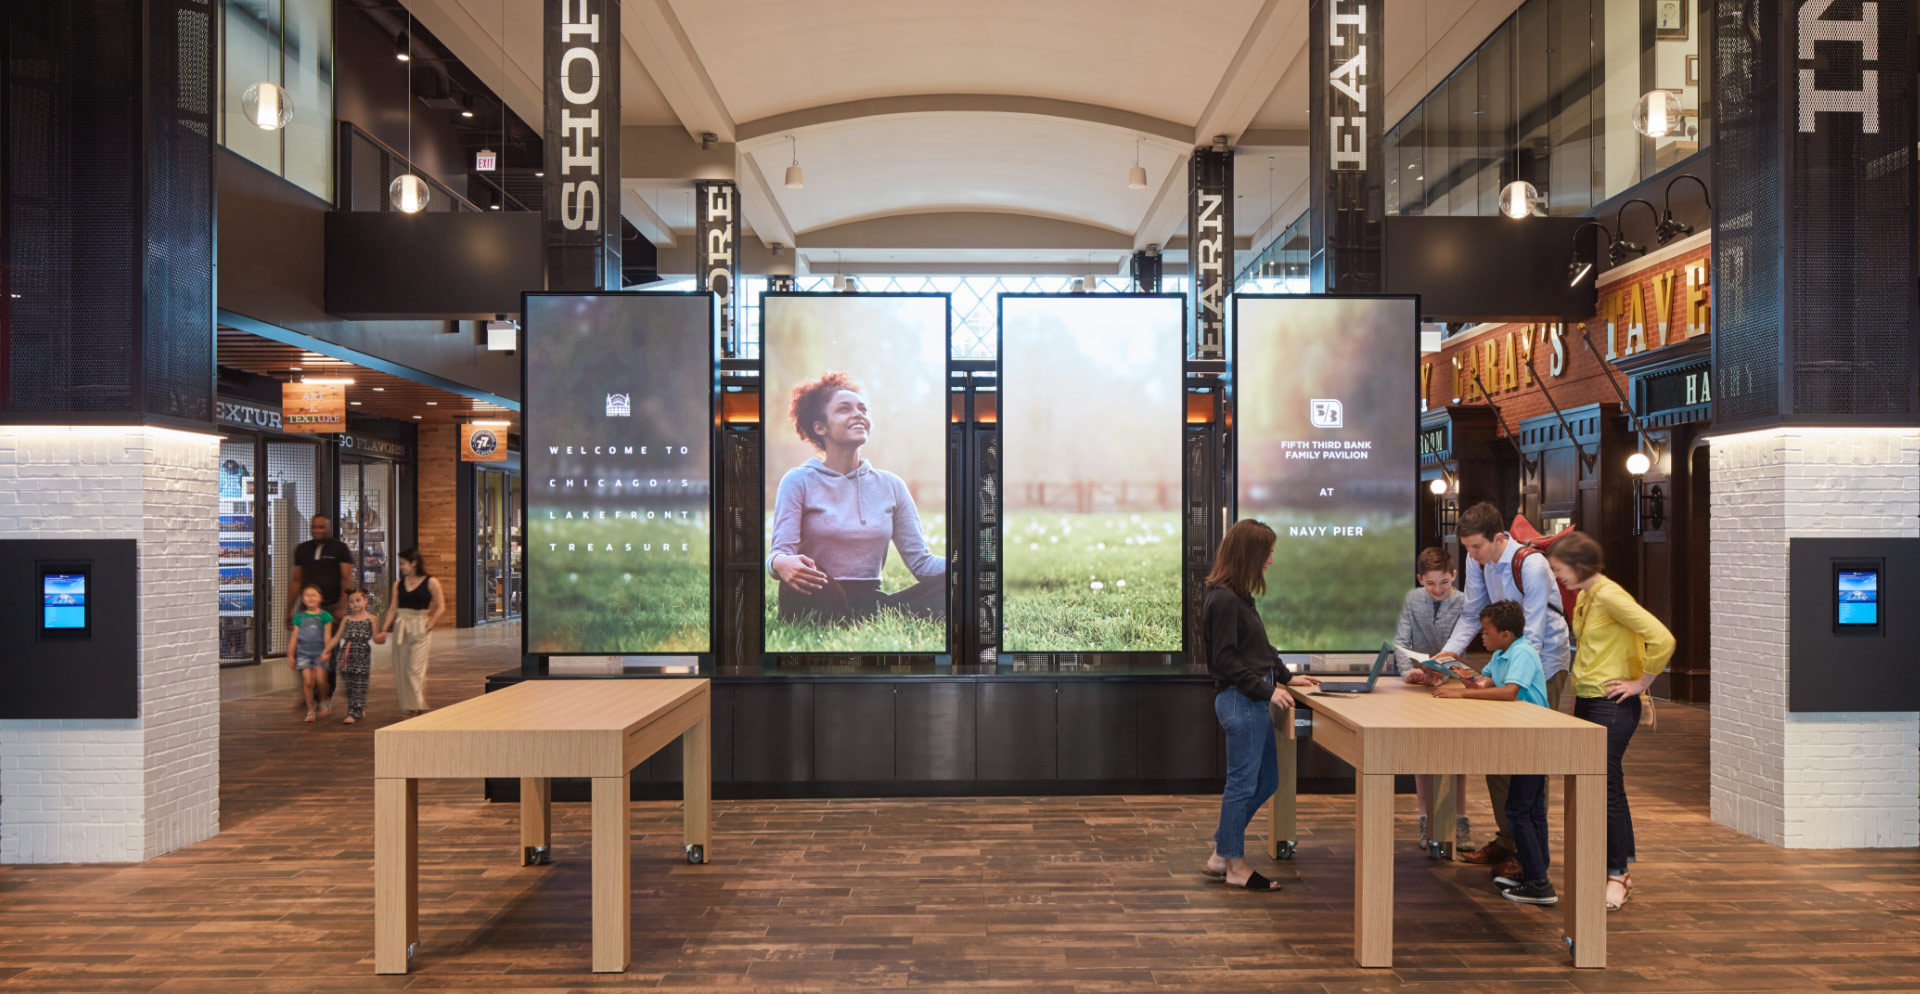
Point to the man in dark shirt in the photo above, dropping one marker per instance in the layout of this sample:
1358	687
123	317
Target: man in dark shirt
327	563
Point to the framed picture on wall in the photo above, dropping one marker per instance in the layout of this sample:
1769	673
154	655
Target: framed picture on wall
1693	70
1670	20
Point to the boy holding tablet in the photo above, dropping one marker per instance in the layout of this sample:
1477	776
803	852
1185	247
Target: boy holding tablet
1515	673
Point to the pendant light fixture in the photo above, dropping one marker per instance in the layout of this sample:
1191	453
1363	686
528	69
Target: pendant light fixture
1519	198
1137	176
1657	114
409	193
268	106
795	178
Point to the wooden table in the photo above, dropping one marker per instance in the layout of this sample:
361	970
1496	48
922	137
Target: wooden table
538	730
1403	729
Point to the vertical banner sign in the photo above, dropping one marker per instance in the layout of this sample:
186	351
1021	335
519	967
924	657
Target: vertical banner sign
481	443
1346	109
1209	250
582	131
717	224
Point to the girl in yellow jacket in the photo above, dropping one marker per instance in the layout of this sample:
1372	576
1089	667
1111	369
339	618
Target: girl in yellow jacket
1621	648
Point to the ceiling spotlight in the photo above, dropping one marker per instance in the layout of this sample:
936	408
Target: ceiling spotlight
379	389
433	403
416	417
466	105
795	178
403	47
345	381
1137	176
1657	114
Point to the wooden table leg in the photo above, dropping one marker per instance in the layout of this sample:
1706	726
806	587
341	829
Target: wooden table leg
536	820
396	872
1283	828
1373	870
696	785
612	876
1586	875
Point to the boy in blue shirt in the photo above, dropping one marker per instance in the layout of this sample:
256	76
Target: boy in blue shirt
1515	673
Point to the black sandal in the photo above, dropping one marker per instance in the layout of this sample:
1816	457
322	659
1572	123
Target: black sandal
1259	884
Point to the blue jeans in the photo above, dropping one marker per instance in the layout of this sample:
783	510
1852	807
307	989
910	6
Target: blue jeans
1527	815
1253	768
1621	719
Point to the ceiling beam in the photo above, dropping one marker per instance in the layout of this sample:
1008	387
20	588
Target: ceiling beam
1275	39
964	103
758	207
662	151
662	46
640	214
1169	208
969	231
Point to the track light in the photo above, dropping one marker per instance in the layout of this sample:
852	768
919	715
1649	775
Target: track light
1669	228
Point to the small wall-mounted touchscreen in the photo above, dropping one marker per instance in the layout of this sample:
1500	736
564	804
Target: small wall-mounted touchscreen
63	598
1856	592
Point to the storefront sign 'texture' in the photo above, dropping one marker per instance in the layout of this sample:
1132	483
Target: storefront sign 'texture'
313	407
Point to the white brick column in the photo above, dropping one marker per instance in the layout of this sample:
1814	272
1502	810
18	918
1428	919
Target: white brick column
121	790
1803	781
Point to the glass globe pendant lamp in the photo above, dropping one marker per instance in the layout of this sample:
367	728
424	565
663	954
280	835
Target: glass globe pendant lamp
268	106
409	193
1657	114
1517	199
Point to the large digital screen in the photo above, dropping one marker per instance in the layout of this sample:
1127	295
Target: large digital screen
618	410
1327	425
63	598
1090	409
1857	597
855	419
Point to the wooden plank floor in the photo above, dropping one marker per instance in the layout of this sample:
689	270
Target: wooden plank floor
1011	894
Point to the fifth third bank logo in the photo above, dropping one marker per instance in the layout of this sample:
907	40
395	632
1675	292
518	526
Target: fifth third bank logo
1326	414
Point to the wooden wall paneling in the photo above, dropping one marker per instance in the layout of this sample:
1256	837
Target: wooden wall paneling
439	529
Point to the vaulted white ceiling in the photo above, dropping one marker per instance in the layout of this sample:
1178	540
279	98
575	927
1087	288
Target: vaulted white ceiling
919	122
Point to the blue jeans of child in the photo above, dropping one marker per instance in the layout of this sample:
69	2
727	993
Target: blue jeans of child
1621	719
1527	816
1253	768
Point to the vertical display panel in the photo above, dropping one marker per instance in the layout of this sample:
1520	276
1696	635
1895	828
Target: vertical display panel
1326	398
617	448
854	412
1090	409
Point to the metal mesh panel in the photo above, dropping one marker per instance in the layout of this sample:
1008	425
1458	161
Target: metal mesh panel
178	284
986	611
1851	270
1747	260
1201	500
743	592
743	633
71	205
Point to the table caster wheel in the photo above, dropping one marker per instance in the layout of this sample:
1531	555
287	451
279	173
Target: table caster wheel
1283	851
1439	850
1568	939
539	855
696	854
412	947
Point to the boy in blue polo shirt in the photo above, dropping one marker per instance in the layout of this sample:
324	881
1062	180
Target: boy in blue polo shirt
1515	673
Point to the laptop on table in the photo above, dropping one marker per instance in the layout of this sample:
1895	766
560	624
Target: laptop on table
1358	687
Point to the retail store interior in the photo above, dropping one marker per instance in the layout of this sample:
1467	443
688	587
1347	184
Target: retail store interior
737	495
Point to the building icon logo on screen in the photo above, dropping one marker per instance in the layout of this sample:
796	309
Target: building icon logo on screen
619	405
1326	414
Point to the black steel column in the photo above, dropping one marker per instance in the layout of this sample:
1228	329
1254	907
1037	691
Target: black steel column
106	236
1814	250
1145	268
582	133
1346	105
1209	249
716	209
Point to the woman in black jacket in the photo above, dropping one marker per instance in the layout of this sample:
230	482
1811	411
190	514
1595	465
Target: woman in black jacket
1248	675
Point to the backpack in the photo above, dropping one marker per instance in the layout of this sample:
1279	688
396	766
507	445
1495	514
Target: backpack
1534	543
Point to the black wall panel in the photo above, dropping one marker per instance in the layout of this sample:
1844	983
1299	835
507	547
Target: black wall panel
1098	729
775	743
853	731
1179	738
97	676
1016	722
934	731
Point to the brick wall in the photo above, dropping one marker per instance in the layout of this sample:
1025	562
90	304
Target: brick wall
121	790
439	531
1803	780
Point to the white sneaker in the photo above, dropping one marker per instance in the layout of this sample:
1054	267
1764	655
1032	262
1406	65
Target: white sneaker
1462	834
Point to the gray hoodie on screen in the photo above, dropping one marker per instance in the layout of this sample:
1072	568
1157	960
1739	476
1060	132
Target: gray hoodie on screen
844	522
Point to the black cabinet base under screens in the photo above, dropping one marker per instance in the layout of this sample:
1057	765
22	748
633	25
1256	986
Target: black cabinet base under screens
71	611
954	736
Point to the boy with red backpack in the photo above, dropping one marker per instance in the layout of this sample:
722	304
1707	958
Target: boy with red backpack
1502	567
